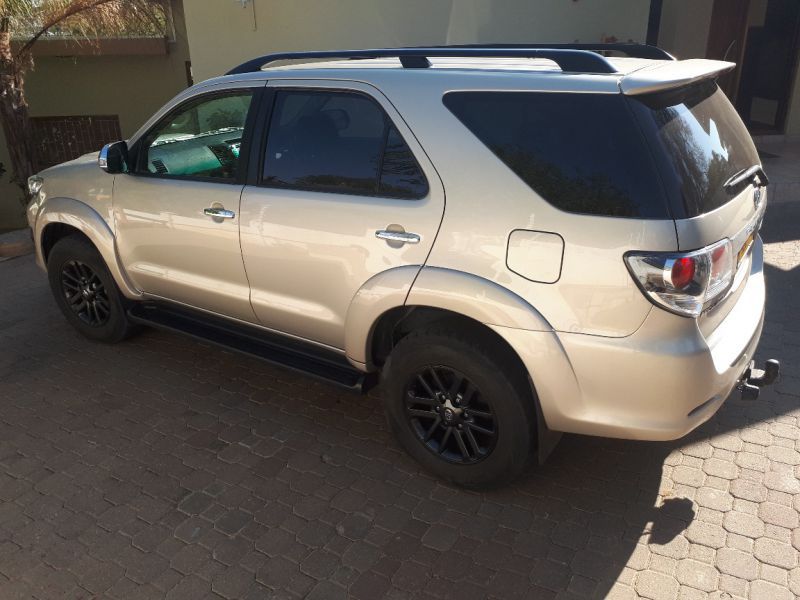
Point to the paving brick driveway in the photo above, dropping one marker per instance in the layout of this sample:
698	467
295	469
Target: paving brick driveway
164	467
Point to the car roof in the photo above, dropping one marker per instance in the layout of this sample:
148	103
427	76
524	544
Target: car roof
631	75
455	71
623	65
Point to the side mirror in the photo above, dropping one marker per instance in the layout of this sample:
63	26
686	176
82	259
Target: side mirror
113	158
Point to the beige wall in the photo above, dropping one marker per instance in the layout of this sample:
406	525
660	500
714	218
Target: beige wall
684	27
264	26
684	32
132	87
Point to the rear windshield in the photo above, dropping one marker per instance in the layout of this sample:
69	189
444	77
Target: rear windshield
700	143
582	153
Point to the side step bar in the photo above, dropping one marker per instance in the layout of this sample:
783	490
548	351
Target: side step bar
274	348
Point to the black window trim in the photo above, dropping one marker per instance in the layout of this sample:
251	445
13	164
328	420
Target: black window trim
256	170
137	155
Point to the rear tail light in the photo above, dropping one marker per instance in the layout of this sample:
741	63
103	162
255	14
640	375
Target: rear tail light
686	283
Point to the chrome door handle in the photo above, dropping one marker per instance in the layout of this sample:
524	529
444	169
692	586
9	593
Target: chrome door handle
397	236
219	213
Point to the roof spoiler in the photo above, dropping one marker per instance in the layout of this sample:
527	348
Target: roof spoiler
663	76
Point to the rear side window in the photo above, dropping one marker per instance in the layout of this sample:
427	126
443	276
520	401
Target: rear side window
341	142
583	153
700	141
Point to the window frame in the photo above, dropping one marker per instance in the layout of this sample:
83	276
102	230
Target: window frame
649	156
137	152
269	100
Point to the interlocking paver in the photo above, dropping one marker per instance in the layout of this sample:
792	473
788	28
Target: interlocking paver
744	524
714	499
697	575
706	534
766	590
166	478
737	563
777	514
656	586
775	553
723	469
782	481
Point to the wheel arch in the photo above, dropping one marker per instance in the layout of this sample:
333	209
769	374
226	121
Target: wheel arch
397	323
61	217
391	305
436	293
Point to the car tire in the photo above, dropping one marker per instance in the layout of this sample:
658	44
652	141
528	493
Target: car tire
437	380
86	292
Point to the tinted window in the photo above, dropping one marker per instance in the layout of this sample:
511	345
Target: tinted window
702	140
202	139
582	153
338	142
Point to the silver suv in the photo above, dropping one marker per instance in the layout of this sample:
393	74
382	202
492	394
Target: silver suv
517	240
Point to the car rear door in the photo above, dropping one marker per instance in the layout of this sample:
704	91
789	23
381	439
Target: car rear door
343	193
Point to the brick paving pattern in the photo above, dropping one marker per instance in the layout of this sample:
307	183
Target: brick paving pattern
167	468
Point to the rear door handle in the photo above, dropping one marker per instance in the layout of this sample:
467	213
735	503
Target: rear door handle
219	213
397	236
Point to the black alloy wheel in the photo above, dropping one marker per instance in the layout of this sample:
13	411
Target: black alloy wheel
450	416
85	293
460	404
85	290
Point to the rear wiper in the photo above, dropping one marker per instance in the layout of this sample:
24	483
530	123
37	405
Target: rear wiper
756	171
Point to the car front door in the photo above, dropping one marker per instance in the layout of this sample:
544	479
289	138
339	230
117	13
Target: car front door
344	193
176	211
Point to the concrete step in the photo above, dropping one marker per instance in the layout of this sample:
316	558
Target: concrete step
16	243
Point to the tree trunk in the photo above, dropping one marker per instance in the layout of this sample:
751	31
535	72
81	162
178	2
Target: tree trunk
14	111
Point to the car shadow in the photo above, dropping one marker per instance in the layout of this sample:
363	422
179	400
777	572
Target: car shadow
594	505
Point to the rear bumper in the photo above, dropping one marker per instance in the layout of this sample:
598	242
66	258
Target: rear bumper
656	384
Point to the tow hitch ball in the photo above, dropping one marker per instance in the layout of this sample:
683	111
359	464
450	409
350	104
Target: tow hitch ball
754	379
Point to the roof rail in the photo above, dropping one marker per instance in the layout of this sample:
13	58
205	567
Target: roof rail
568	58
632	49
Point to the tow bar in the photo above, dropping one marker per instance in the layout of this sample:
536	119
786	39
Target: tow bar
754	379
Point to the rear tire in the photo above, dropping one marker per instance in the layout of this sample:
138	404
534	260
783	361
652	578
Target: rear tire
460	407
86	292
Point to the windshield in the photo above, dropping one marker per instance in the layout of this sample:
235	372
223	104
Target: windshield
700	143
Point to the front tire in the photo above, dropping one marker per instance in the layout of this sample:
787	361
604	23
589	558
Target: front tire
460	407
86	292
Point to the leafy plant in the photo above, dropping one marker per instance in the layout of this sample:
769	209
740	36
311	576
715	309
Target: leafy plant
24	22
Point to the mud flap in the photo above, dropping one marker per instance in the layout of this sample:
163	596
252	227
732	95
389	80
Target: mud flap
546	439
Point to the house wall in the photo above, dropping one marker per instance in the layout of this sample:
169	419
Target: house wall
684	33
132	87
263	26
684	27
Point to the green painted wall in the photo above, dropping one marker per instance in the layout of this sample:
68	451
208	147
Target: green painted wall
133	87
263	26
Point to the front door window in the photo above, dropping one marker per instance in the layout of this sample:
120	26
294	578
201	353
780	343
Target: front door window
201	140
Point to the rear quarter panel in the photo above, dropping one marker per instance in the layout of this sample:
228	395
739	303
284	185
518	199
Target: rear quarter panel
486	201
